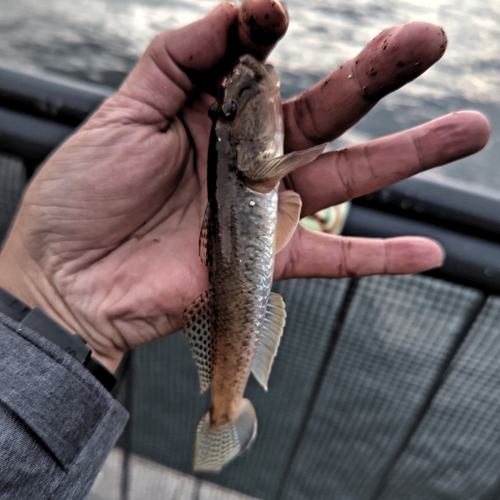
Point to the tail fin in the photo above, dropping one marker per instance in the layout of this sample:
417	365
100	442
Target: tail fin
215	447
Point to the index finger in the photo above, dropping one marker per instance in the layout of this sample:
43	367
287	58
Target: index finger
393	58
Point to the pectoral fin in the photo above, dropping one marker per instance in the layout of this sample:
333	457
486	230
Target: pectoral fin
269	339
204	236
270	172
197	331
289	207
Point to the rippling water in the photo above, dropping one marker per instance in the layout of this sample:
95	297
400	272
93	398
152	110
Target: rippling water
100	40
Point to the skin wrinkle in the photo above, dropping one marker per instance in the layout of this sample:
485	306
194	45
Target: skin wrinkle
407	144
64	312
81	324
184	83
418	155
96	334
125	121
154	57
293	254
343	165
191	156
385	257
355	81
120	109
367	155
295	111
343	269
182	209
313	135
126	345
116	338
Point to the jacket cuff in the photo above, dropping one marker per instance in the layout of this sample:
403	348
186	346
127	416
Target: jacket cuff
63	406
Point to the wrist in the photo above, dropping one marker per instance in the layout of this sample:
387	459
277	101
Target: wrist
21	278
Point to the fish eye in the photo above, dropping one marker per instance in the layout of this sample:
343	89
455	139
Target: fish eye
212	112
228	110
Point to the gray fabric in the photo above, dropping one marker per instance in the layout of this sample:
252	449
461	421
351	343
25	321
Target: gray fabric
57	422
392	345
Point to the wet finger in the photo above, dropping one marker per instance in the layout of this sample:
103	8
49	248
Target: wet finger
312	254
341	175
392	59
178	61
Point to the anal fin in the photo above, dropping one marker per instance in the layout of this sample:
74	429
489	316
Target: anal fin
289	207
197	331
269	339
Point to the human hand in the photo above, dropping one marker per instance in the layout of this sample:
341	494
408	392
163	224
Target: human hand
106	239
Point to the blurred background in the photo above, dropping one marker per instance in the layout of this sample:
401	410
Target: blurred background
100	41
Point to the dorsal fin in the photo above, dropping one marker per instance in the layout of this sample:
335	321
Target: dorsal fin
269	339
289	207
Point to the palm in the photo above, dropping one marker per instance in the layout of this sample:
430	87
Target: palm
137	244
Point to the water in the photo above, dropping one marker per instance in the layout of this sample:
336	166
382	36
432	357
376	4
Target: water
100	41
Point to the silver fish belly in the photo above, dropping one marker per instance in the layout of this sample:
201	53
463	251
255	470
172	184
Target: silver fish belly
241	262
234	327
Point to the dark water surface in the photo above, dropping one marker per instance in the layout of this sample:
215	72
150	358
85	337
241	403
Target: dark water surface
100	41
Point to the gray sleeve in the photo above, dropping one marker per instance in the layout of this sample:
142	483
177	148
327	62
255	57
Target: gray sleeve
57	422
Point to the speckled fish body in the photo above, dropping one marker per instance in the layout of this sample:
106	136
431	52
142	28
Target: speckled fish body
241	233
234	327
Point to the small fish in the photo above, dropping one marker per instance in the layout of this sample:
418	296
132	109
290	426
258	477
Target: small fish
235	326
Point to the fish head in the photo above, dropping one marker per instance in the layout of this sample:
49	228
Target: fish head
249	107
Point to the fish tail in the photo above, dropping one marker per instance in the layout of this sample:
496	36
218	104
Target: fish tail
216	446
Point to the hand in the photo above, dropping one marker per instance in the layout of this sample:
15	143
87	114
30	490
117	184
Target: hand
106	239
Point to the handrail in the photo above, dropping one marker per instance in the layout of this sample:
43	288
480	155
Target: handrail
451	203
53	97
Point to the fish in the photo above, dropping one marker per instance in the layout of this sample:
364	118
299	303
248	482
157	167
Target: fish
235	326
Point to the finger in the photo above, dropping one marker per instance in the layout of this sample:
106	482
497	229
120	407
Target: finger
392	59
345	174
313	254
177	62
